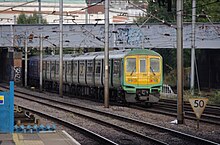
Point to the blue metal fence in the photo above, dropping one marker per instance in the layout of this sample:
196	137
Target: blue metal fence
7	110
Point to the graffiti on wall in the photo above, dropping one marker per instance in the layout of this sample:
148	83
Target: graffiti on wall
17	72
120	35
129	36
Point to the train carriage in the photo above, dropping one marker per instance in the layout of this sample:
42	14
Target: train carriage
134	75
33	70
142	75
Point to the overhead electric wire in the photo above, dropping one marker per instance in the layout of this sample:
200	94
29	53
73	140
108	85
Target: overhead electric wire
89	32
92	5
11	8
198	6
96	4
151	15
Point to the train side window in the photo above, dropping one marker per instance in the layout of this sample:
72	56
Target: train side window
57	68
155	64
89	67
52	66
98	67
131	64
44	65
48	65
75	68
69	68
81	68
142	65
116	67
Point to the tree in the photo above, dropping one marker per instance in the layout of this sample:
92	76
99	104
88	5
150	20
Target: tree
167	11
32	19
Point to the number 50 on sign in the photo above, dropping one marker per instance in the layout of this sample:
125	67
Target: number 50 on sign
198	105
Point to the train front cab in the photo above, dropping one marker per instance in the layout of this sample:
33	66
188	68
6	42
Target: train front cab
142	78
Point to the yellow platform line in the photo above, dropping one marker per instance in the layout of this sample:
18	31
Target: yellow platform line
19	140
16	139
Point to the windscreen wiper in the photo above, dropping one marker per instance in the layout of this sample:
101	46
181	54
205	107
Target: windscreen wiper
133	71
152	70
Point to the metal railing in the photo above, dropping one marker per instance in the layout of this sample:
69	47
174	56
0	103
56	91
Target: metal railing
166	89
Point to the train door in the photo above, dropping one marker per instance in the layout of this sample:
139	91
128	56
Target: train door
142	70
131	70
98	73
116	72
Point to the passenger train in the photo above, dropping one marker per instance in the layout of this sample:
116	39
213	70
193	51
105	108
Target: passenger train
135	75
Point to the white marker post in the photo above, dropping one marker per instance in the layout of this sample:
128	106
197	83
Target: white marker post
198	106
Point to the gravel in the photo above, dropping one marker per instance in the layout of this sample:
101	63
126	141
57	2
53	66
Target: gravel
206	130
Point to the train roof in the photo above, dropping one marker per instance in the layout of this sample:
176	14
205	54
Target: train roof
51	58
115	54
144	52
88	56
37	57
66	57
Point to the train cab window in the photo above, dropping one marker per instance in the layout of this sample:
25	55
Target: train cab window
155	64
142	65
81	68
131	65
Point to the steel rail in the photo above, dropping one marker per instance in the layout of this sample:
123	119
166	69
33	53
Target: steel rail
174	132
93	118
85	131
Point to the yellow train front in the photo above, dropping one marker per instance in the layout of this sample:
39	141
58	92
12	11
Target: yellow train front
143	76
135	75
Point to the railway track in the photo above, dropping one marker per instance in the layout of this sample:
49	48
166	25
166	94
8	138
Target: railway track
210	109
211	113
94	136
169	107
149	131
85	115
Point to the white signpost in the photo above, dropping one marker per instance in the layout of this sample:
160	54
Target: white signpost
198	106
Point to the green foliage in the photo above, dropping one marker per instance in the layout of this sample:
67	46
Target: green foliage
209	7
160	11
170	59
32	19
214	98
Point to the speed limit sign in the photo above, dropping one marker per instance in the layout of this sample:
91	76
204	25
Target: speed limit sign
198	105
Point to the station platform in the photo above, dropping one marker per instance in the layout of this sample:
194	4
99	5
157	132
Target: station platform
47	138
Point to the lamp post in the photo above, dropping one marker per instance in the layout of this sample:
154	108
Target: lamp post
193	47
106	57
61	50
179	13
